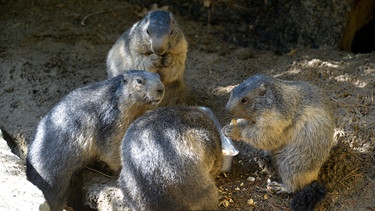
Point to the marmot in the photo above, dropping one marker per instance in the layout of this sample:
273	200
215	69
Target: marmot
155	43
292	120
87	124
170	158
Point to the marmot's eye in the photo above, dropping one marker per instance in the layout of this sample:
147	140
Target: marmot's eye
171	32
244	100
147	32
140	81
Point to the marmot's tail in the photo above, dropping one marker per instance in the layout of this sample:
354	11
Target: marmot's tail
308	197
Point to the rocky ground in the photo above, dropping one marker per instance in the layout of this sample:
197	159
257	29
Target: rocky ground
49	49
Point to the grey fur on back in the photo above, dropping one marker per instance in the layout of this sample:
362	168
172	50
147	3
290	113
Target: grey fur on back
87	124
170	158
155	43
293	120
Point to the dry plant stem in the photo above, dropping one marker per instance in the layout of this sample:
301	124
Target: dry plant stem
91	14
99	172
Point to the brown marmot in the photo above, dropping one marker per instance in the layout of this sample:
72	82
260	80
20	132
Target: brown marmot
170	159
88	124
155	43
293	121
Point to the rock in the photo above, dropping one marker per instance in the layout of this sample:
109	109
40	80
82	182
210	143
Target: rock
243	53
102	193
17	193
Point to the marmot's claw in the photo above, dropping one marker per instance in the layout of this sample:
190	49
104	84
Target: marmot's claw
166	60
276	187
226	130
156	60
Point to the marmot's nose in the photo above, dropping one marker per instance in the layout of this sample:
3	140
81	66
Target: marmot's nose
159	45
160	92
228	108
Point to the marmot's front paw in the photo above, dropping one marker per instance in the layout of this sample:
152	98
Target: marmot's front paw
232	132
166	60
276	187
156	60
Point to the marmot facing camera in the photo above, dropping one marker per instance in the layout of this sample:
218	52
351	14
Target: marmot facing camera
155	43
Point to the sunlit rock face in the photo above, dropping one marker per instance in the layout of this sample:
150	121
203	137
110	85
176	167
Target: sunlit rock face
17	193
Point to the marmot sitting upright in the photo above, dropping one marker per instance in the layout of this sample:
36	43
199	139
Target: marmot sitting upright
88	124
291	120
155	43
170	159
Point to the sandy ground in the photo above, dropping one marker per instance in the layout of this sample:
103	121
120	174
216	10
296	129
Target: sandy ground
50	49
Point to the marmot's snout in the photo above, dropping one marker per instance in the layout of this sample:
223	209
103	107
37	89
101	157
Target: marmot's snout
160	92
159	48
157	95
229	108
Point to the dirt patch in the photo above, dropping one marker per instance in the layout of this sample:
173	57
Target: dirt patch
48	49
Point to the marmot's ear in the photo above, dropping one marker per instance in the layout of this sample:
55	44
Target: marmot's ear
262	89
125	80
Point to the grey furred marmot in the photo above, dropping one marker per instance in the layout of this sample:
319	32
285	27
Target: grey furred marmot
155	43
292	120
170	158
87	124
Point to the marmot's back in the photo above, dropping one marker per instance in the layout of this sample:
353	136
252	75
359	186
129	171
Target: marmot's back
170	158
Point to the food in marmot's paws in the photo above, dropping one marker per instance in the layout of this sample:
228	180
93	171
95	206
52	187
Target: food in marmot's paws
233	122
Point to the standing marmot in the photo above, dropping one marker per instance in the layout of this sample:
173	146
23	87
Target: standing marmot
155	43
294	122
88	124
170	158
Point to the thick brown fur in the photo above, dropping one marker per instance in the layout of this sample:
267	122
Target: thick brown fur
155	43
87	124
170	159
290	119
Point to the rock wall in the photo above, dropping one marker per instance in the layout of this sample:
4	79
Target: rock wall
17	193
277	25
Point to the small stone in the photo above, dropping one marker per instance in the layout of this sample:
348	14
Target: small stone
251	179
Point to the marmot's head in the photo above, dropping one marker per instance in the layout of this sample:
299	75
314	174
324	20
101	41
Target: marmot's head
159	28
140	87
253	97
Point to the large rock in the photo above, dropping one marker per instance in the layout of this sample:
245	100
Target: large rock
102	193
17	193
277	25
